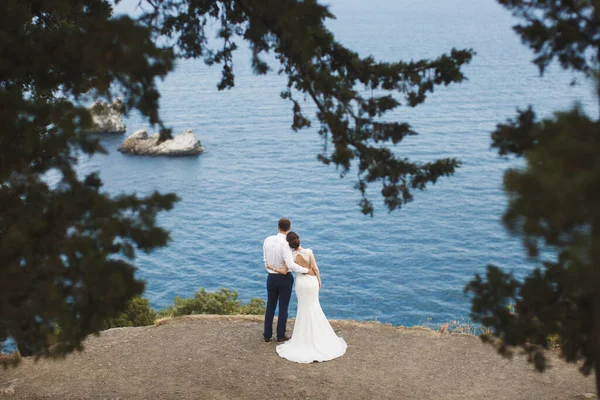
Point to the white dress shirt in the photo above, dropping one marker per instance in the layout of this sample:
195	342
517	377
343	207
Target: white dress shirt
276	252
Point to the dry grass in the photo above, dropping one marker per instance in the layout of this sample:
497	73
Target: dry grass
454	327
8	387
457	327
12	359
172	320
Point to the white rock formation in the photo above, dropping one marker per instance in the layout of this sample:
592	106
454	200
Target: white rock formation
108	117
140	143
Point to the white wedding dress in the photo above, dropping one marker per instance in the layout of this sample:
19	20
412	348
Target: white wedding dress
313	338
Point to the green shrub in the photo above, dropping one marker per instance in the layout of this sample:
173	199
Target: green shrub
223	302
138	313
255	307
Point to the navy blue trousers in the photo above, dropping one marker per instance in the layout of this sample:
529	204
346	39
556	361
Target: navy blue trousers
279	289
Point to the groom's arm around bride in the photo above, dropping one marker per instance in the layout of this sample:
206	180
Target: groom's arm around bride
298	260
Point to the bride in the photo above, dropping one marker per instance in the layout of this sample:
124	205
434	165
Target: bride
313	338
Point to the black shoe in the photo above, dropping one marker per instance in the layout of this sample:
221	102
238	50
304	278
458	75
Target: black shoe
266	340
283	339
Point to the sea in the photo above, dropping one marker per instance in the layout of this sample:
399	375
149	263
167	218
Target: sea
406	267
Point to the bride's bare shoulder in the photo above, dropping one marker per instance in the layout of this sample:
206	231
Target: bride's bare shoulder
305	251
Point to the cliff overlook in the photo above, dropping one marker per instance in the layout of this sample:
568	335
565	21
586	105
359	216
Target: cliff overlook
223	357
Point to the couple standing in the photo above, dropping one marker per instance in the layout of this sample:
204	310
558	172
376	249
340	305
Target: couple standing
313	338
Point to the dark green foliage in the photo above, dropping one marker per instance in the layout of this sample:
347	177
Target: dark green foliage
554	205
66	247
564	30
137	313
224	302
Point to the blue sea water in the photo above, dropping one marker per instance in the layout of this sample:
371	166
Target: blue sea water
403	267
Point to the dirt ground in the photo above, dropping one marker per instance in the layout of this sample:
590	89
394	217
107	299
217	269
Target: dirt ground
224	357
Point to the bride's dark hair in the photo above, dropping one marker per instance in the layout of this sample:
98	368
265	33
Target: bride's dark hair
293	240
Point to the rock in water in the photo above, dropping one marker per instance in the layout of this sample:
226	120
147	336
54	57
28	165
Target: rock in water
141	144
108	118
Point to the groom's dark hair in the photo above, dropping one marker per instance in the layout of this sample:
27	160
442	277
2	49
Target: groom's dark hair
284	224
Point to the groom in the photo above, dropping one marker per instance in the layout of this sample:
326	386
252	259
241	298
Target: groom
277	252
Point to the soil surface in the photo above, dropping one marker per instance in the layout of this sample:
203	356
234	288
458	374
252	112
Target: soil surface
224	357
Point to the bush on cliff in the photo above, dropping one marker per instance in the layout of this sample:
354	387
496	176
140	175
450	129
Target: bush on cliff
224	301
137	313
